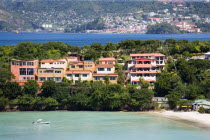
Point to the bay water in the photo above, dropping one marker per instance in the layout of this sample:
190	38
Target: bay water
9	38
67	125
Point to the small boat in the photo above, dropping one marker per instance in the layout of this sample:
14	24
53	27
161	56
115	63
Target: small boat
39	121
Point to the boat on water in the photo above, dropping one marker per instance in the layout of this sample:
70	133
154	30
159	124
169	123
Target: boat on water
40	121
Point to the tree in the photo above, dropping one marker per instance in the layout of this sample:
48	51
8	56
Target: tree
48	88
31	87
144	84
163	28
107	80
11	90
5	75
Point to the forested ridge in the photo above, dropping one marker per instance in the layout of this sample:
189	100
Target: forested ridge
181	79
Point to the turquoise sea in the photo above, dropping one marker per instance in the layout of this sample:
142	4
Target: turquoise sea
7	38
66	125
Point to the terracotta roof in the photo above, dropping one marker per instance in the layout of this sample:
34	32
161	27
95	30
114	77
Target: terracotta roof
106	59
47	60
78	72
53	60
59	60
143	65
105	66
16	60
147	54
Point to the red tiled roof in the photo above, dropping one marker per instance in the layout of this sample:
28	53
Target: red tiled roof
105	66
143	65
53	60
147	54
47	60
78	71
16	60
59	60
106	59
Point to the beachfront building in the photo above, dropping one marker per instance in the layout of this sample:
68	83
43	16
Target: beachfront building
161	101
144	66
24	70
82	65
105	68
107	61
80	71
52	69
79	75
73	57
207	56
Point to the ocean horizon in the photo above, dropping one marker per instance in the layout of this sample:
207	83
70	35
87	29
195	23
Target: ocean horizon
79	39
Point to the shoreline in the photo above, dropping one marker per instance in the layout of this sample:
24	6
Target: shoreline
193	118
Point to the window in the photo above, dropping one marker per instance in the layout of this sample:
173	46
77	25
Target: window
84	75
49	78
80	66
146	75
110	62
76	75
103	78
30	71
48	71
40	71
157	62
100	69
23	63
108	69
30	63
24	78
73	66
32	78
112	78
89	65
22	71
69	75
58	71
96	78
57	79
51	63
15	63
42	78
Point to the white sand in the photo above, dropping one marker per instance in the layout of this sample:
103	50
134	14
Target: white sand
202	119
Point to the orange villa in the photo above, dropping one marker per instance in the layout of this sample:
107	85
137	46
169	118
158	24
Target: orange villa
24	69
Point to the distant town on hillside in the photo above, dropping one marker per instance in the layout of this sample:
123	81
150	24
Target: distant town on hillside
105	16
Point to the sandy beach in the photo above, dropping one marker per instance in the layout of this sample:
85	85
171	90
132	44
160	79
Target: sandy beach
195	118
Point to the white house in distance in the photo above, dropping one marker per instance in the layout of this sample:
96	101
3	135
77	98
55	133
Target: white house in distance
145	66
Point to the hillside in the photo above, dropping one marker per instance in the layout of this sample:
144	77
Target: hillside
31	15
